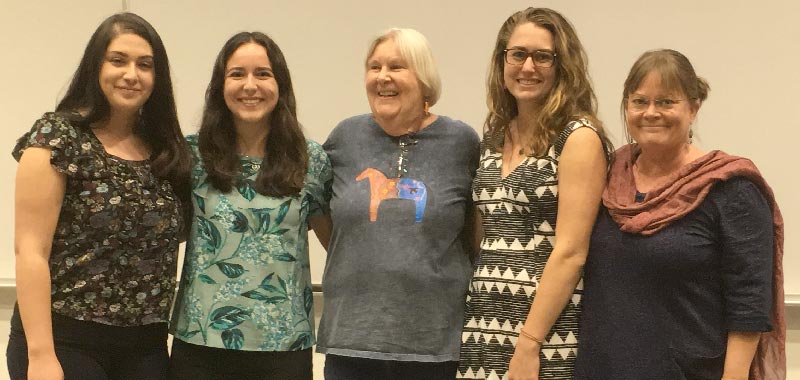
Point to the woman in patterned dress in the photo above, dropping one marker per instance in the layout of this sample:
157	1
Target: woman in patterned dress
543	159
100	190
245	307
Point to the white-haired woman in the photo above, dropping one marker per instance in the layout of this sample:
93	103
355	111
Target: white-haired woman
398	265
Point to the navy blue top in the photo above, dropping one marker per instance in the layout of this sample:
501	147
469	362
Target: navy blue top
660	306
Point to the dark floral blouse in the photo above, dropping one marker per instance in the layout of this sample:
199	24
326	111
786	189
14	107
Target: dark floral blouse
114	253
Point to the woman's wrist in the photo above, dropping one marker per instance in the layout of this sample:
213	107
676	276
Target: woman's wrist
529	341
530	336
41	351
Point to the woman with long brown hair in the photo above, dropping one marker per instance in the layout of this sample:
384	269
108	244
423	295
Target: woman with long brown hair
245	307
102	192
543	159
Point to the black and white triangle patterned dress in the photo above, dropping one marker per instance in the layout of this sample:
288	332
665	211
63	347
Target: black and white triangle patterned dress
519	221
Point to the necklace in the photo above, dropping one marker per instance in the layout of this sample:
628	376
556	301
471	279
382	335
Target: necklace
512	139
404	142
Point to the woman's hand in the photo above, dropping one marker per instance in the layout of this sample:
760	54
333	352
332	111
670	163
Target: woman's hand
524	364
44	367
322	226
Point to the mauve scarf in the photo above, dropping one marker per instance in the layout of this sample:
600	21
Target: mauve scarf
683	192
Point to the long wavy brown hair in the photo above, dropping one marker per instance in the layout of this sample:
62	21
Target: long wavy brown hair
86	104
570	98
285	163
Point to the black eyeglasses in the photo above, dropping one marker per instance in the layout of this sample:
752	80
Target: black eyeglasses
404	142
540	58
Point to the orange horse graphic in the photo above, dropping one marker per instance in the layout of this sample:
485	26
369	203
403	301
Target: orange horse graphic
381	188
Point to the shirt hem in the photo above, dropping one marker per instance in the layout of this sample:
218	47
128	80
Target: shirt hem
388	355
250	349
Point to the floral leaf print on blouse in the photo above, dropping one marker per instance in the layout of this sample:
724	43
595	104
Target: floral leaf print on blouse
308	295
227	316
209	233
246	283
233	339
281	292
231	270
302	341
246	189
206	279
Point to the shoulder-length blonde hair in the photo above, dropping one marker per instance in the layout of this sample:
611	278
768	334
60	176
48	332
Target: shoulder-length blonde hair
570	98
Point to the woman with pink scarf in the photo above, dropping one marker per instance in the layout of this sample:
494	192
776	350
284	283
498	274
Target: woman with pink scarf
684	274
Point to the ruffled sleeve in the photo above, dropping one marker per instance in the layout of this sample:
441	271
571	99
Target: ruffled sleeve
57	134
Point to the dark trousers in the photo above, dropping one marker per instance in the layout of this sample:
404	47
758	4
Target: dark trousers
350	368
93	351
194	362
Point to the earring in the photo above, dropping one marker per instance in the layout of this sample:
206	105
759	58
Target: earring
691	134
427	108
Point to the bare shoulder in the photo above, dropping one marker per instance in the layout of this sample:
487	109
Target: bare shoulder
583	140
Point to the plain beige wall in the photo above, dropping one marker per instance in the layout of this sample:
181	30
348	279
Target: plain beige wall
747	50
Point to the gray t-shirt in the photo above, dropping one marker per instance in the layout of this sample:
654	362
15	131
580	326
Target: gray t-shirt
397	271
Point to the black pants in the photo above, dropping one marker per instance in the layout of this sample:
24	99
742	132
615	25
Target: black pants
93	351
350	368
194	362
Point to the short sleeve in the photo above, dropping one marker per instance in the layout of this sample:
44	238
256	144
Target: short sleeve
746	238
318	180
475	148
57	134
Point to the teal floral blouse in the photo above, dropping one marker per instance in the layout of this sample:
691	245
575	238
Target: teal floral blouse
246	281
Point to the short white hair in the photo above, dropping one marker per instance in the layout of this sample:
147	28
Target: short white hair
416	51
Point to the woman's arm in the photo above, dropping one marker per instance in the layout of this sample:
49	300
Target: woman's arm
38	196
746	236
321	224
473	233
581	178
741	349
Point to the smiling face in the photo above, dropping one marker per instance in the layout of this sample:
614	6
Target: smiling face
127	74
393	90
660	128
526	82
250	91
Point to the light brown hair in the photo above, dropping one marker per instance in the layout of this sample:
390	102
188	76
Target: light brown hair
570	98
677	76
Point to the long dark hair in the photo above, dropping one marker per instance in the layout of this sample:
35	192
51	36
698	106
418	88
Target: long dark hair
571	97
85	103
285	162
